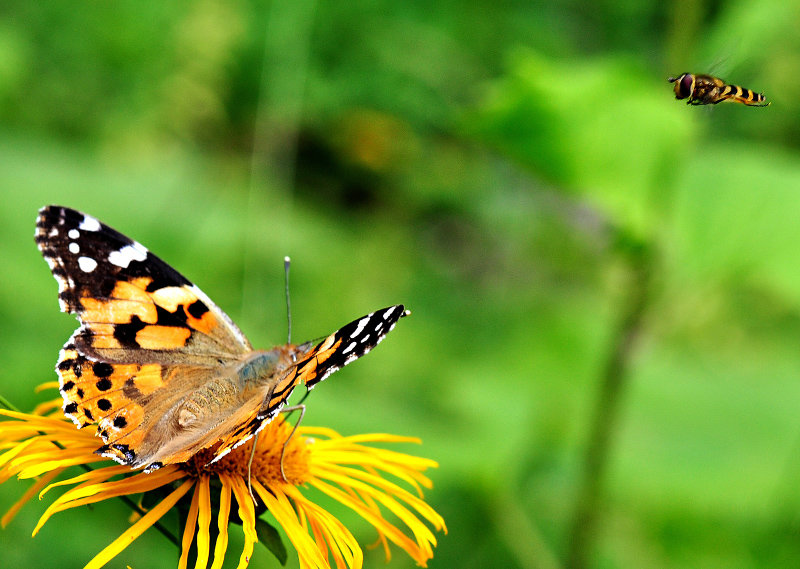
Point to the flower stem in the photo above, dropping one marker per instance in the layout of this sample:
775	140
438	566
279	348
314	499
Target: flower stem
639	259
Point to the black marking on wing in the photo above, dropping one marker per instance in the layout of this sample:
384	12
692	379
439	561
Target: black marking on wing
67	238
357	338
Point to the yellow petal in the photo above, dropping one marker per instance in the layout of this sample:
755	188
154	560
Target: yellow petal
280	507
247	514
29	493
139	527
222	525
203	523
65	458
47	407
188	529
330	532
370	484
91	493
93	476
417	551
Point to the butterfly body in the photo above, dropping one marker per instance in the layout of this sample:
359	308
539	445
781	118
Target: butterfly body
158	368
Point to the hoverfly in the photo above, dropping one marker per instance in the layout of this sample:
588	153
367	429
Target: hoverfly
709	90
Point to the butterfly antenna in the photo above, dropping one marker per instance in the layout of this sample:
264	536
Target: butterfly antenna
286	263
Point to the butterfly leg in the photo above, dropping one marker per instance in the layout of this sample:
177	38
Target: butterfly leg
250	468
287	410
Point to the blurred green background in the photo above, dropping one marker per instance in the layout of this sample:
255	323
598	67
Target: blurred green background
605	283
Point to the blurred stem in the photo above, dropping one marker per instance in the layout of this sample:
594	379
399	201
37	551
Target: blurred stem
523	538
7	404
606	412
287	43
684	28
278	121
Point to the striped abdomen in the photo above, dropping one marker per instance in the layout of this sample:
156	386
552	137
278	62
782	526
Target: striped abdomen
744	96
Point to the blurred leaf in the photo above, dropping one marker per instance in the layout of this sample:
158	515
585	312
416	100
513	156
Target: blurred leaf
594	128
736	218
269	537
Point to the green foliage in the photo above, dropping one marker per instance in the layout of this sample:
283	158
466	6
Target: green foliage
508	172
592	128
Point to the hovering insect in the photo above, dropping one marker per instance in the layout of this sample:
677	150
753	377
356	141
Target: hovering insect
708	90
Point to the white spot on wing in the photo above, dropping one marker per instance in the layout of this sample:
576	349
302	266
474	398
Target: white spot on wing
74	248
360	327
349	348
114	457
128	254
332	370
238	443
74	234
89	224
87	264
53	232
389	312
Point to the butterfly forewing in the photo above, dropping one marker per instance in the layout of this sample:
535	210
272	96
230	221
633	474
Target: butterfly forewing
348	344
134	307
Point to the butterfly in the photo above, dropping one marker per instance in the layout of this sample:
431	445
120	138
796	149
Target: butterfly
160	369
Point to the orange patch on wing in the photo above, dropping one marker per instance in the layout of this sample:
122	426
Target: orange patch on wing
205	324
103	337
325	353
173	298
162	337
115	311
148	379
326	345
130	290
133	414
127	299
308	372
286	382
141	282
122	372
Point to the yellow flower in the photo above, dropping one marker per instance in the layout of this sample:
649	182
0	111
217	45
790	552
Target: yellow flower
316	460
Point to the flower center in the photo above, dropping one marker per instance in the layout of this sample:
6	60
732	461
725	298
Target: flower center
266	466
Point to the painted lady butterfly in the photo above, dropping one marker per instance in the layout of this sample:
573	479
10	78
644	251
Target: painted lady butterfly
157	366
